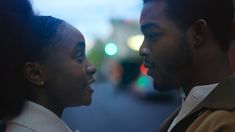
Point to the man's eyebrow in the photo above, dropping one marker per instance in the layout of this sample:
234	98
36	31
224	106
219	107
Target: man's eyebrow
149	25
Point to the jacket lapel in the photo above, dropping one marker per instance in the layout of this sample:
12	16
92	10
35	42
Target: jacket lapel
222	97
164	127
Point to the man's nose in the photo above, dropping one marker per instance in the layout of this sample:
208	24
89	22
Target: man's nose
144	51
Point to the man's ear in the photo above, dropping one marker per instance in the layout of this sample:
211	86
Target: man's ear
231	54
34	73
198	32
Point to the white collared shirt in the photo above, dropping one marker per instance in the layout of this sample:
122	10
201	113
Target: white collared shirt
36	118
195	96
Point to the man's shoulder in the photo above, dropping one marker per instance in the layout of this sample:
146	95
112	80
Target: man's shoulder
223	113
214	116
214	120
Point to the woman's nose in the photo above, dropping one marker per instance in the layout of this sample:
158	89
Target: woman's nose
91	69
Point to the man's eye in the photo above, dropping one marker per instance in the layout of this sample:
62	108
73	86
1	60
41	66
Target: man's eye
152	36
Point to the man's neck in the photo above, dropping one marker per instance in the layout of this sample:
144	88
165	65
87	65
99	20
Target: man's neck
210	73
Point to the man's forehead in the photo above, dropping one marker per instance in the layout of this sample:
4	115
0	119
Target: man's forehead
152	12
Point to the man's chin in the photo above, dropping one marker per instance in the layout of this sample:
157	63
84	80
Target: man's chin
164	87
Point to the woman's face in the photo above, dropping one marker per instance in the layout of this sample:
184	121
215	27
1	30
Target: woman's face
68	72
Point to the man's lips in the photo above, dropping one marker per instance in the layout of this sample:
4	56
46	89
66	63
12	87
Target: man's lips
148	64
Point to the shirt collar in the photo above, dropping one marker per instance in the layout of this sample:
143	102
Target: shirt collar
222	97
195	96
200	92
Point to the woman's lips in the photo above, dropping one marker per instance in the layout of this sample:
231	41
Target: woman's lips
90	82
89	89
89	86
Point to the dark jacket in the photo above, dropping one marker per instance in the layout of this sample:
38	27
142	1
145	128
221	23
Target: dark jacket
216	113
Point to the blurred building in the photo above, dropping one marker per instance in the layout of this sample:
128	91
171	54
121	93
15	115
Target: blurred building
122	31
108	54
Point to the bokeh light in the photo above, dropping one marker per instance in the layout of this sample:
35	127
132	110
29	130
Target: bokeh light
89	44
134	42
144	82
111	49
143	69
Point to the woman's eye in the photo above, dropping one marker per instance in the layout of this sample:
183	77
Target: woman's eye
80	57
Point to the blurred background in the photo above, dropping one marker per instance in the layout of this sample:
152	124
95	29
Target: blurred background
124	99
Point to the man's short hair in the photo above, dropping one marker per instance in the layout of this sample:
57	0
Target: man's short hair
217	13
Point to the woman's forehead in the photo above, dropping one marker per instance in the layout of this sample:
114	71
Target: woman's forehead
68	30
68	37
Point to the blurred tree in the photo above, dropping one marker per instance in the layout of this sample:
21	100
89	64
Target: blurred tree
96	54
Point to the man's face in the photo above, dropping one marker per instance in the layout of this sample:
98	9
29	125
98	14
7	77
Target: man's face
166	52
69	72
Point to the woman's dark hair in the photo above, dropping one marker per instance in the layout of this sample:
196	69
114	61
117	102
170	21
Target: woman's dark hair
40	38
14	15
30	41
217	13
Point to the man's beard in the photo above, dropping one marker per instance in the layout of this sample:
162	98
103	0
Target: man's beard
175	70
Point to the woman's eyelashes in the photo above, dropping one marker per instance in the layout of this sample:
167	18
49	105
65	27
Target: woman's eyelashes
79	52
80	56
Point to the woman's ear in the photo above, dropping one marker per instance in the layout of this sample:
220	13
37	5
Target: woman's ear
198	32
34	73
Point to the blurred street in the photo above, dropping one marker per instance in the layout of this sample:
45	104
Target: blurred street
121	111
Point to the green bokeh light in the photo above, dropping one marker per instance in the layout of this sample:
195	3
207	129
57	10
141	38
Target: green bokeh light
111	49
143	82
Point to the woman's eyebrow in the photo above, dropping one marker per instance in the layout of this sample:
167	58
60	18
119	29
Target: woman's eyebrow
79	46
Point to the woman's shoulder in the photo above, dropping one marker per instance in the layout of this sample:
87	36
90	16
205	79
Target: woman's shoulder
14	127
33	117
